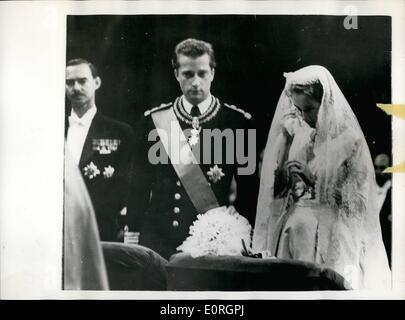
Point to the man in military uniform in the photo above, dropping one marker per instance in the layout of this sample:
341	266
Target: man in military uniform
101	147
168	196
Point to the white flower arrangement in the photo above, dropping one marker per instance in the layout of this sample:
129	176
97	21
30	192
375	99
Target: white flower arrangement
218	232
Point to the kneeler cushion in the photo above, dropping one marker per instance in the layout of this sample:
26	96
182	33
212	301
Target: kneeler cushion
134	267
237	273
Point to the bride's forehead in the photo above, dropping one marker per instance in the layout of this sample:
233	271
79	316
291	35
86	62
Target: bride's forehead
301	100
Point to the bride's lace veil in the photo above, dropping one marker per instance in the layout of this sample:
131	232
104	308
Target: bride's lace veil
345	180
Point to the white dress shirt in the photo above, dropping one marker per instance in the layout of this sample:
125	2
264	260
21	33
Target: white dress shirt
203	106
77	132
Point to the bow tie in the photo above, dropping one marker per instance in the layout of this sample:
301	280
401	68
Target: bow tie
74	121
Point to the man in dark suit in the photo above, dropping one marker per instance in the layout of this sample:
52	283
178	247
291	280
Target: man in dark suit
169	194
101	147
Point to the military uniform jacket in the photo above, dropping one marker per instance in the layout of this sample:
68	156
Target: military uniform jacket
162	207
106	167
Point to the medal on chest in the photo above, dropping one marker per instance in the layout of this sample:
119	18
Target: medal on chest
194	138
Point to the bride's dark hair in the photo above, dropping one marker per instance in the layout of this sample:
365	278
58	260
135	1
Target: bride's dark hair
314	90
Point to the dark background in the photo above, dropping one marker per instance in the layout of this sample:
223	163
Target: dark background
133	56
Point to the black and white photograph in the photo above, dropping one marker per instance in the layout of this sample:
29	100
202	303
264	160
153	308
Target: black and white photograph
225	151
302	215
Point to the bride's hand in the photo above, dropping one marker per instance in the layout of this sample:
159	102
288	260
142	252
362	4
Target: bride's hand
289	122
301	169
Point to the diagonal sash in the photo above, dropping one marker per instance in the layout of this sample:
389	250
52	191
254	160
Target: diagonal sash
188	170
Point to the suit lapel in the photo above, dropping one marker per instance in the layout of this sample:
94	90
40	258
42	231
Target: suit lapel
66	126
95	132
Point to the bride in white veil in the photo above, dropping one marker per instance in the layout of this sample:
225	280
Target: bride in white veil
317	191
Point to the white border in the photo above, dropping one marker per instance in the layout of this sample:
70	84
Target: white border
32	119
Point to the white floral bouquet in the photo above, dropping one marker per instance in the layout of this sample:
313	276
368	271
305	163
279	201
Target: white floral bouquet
220	231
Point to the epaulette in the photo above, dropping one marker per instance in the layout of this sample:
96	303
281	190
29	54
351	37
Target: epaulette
246	114
162	106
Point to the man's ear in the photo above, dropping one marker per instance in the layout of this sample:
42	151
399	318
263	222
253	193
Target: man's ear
97	80
213	73
176	74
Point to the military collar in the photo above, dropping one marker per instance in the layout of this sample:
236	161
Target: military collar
184	116
203	106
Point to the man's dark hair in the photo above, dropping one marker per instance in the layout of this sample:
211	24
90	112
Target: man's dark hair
76	62
193	48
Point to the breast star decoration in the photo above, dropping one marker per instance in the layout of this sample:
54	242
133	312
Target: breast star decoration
91	171
215	174
108	172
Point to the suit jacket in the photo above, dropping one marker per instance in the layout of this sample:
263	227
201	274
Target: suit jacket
162	207
108	149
